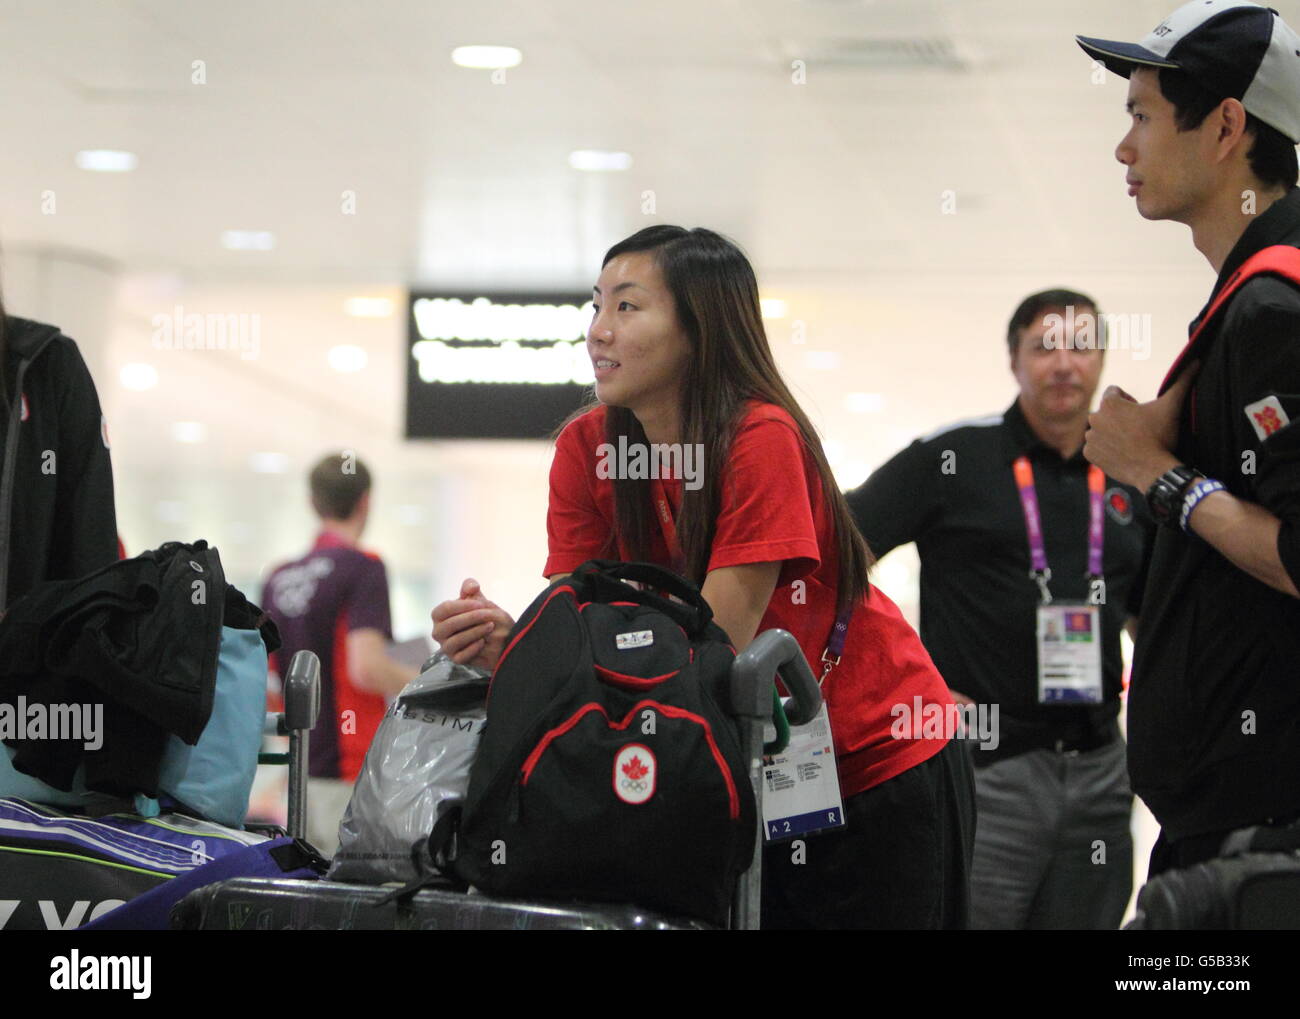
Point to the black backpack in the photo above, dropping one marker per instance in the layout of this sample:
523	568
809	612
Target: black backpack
610	768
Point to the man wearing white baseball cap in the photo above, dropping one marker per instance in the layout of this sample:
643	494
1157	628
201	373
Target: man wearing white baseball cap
1214	708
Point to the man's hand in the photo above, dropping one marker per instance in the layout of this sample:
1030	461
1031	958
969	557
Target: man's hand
471	630
1132	441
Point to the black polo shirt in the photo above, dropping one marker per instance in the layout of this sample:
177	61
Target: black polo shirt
1214	712
953	493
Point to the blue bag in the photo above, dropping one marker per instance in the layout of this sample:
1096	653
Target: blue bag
215	776
277	858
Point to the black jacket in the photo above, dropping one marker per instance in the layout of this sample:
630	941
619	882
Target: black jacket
1214	706
142	637
56	481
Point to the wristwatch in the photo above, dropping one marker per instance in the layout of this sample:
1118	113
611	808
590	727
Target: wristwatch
1165	497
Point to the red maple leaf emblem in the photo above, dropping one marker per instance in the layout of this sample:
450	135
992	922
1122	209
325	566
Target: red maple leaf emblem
635	770
1268	420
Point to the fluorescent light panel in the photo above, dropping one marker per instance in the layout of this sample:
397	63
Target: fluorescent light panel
486	58
599	160
248	240
106	160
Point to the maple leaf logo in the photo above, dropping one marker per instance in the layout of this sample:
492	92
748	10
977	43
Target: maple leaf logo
635	770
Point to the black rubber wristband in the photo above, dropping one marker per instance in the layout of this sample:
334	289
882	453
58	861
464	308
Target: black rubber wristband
1165	497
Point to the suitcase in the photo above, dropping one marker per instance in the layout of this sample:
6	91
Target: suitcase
261	904
274	904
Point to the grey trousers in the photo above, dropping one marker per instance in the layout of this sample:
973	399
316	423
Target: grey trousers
1053	844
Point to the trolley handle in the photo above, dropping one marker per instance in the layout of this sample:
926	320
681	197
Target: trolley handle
774	651
301	709
302	692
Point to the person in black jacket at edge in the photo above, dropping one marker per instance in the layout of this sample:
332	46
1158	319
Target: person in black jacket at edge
57	520
1214	705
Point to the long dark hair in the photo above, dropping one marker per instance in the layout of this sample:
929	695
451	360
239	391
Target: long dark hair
716	297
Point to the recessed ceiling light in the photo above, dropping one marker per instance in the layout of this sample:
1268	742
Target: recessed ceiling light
139	376
170	511
248	240
189	431
269	463
368	307
864	403
773	307
599	160
106	160
849	473
822	360
347	358
486	58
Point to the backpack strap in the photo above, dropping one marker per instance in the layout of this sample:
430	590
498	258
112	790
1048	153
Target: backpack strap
1281	260
1262	839
604	580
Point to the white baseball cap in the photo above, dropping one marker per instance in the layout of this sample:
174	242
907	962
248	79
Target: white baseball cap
1237	50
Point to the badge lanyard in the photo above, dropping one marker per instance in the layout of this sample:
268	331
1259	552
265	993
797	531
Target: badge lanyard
667	525
1039	570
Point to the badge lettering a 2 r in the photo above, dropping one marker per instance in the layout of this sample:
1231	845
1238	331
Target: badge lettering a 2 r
1267	416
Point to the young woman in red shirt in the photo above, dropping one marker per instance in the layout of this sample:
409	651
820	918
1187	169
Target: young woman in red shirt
681	360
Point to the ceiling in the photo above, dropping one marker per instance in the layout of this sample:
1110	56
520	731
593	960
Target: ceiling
458	180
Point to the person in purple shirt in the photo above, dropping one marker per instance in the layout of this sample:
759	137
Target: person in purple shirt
334	601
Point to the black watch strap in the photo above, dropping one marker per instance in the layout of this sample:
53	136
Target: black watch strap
1165	497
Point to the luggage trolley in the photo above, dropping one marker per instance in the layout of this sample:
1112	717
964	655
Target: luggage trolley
301	695
278	904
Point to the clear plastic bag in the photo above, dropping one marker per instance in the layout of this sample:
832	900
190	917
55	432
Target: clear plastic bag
417	768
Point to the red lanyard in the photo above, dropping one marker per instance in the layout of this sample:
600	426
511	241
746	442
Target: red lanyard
659	499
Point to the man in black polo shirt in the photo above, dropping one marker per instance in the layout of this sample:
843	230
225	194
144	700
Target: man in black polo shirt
1214	722
1007	619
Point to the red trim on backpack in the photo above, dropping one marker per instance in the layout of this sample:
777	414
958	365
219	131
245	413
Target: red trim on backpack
531	761
1277	260
632	682
510	647
631	604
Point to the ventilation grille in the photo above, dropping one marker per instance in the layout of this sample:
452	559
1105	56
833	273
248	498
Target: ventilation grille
934	53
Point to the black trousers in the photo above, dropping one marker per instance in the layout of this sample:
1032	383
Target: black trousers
902	861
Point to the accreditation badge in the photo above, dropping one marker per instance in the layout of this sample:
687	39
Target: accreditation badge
801	785
1069	654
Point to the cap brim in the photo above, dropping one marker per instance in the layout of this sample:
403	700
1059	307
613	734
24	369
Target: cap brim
1122	57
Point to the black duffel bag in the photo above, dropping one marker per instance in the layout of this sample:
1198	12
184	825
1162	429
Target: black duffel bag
610	769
